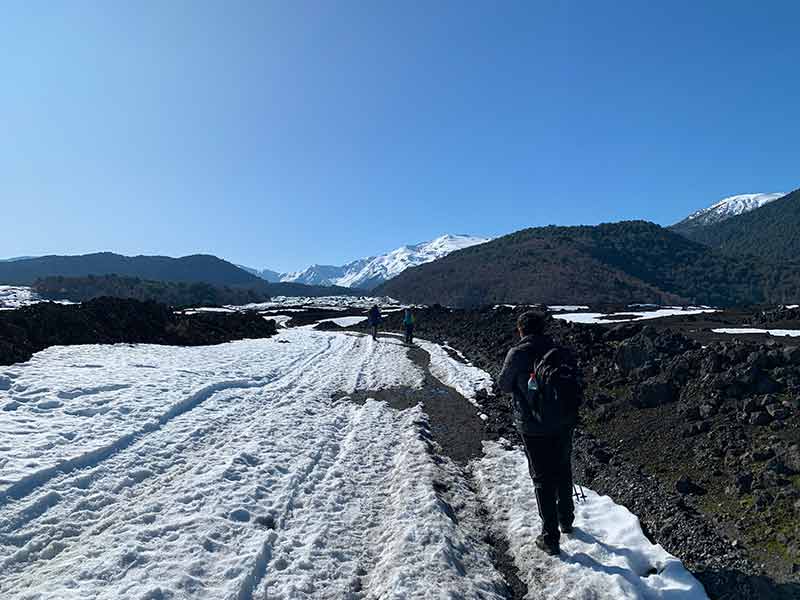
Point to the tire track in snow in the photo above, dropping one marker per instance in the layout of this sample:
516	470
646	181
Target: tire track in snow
329	367
31	483
357	505
35	480
336	376
175	508
226	430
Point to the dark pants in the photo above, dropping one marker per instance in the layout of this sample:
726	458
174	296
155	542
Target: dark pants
550	465
409	334
374	331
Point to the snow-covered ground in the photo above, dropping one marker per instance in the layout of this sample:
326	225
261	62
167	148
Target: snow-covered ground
207	309
14	296
280	320
345	321
751	330
567	308
330	302
239	471
466	379
632	315
608	556
553	308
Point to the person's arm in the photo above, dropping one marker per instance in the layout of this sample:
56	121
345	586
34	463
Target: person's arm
510	371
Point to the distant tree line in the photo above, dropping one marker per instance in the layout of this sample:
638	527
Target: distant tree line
83	289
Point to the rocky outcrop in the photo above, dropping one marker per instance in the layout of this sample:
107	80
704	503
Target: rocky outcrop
113	320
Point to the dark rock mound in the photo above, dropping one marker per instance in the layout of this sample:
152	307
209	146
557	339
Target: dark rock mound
112	320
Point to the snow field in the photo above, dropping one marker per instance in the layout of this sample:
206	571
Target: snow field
607	557
69	404
344	321
14	296
240	471
280	320
746	330
329	302
595	317
270	489
466	379
376	528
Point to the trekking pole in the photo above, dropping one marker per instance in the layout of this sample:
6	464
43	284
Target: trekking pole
580	497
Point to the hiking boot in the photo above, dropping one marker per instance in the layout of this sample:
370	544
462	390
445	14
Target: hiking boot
547	546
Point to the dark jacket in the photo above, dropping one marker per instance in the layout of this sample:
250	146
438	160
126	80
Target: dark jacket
374	316
514	379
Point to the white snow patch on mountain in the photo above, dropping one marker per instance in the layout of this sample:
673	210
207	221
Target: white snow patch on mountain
370	272
729	207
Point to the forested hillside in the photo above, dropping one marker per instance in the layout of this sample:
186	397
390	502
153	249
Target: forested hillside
632	261
771	231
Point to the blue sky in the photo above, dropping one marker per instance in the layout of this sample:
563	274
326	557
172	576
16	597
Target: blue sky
279	134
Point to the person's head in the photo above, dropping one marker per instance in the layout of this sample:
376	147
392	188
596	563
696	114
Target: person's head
530	323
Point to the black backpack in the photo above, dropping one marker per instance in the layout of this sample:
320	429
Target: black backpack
558	396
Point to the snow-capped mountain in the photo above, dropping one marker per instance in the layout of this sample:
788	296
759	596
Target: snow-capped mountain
370	272
266	274
727	208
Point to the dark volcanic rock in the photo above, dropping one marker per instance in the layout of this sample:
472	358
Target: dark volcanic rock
112	320
652	393
685	485
696	429
634	353
760	418
791	458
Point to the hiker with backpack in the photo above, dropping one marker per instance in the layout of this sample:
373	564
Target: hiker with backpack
546	397
374	319
408	324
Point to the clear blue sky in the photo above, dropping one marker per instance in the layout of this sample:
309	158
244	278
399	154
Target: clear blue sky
278	134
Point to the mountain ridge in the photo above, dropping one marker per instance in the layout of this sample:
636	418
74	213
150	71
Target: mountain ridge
727	208
770	231
194	268
625	262
187	269
369	272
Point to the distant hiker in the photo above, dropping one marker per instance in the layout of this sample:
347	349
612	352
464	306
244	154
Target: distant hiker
546	397
374	319
408	324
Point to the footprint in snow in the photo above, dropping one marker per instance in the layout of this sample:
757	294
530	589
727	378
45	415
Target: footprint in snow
240	514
